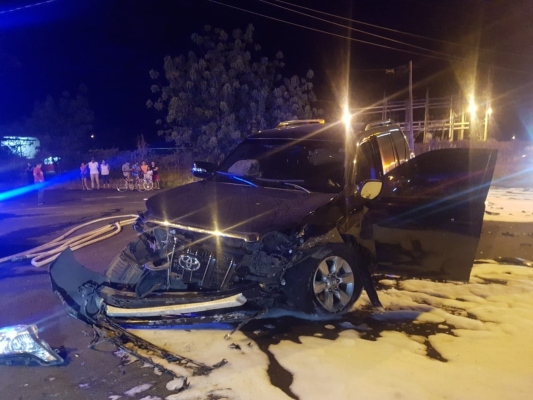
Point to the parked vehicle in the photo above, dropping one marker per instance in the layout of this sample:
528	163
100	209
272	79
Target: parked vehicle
298	216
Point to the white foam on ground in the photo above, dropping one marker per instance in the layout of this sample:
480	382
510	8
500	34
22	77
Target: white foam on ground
511	205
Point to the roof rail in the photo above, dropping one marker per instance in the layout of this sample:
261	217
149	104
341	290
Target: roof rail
378	124
300	122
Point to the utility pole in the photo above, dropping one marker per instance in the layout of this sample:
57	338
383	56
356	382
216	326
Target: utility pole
451	121
384	112
411	138
463	120
426	117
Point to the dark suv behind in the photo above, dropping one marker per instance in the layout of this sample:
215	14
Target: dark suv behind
298	216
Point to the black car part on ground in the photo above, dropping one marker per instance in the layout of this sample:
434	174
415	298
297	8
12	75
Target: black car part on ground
83	302
120	337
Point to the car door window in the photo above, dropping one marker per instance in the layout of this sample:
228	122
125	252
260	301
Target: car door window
400	144
388	157
366	166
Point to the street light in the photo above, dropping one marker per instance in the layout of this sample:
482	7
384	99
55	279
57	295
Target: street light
488	113
472	107
346	117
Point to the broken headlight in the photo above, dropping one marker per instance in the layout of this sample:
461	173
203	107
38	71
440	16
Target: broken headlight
22	343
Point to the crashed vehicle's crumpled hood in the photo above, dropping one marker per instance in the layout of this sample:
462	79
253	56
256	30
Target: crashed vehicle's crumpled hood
234	208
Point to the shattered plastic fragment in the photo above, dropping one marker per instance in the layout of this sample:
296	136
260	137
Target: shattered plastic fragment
138	389
177	383
347	325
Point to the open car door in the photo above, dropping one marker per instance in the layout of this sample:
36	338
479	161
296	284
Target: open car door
427	220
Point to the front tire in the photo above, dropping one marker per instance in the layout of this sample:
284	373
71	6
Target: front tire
329	285
139	185
148	185
122	185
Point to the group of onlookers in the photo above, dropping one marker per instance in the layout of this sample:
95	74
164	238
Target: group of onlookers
94	171
136	172
100	172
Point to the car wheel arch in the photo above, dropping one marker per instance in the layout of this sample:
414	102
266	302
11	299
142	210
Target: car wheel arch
330	266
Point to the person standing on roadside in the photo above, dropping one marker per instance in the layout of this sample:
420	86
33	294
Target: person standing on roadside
144	169
126	171
135	172
29	174
93	171
155	174
104	171
38	178
83	174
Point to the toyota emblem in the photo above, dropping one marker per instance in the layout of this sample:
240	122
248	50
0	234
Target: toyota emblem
188	262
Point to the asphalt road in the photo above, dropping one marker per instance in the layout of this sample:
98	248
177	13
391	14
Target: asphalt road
27	298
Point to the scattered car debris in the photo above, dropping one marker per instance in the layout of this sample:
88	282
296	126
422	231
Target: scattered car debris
491	212
138	389
21	344
130	343
178	384
508	234
514	261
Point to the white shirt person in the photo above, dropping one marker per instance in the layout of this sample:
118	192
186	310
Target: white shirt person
104	171
94	172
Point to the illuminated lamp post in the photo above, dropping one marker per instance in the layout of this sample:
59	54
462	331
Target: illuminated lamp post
347	117
488	113
472	109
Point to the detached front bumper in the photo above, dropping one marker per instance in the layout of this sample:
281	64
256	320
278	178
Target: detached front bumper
88	295
178	309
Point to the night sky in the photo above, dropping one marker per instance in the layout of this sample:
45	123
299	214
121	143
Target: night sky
110	45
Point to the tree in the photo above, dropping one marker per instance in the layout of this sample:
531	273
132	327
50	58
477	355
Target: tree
211	101
63	126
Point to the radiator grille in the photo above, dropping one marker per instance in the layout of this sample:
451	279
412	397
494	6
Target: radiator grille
213	272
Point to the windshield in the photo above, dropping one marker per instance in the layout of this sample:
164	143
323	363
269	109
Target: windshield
314	165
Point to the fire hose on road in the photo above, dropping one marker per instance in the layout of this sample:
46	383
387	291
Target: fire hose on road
48	252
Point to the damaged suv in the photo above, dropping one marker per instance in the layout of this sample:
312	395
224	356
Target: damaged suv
298	216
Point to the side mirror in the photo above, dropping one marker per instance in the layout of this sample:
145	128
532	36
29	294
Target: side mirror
370	189
203	169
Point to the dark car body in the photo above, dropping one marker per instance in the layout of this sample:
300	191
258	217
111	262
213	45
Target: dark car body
285	220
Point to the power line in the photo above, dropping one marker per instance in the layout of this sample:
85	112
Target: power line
331	33
26	6
371	25
359	30
400	32
445	58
